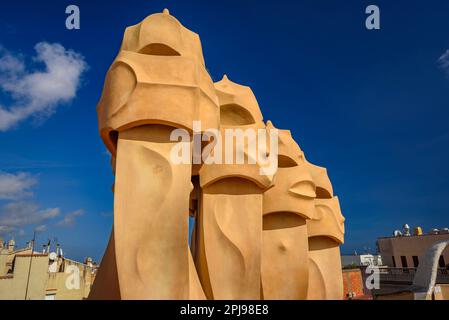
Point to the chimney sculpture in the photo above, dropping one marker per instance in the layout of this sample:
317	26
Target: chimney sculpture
157	83
232	199
258	234
286	208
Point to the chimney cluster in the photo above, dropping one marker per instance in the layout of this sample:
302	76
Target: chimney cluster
417	231
46	249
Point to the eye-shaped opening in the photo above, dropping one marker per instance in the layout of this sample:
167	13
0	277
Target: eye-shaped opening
305	189
322	193
282	220
235	115
233	185
286	162
322	243
159	49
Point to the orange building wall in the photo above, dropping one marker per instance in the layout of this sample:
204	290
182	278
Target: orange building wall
352	282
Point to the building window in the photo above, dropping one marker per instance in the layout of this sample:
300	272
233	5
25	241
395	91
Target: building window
394	261
404	262
415	261
441	262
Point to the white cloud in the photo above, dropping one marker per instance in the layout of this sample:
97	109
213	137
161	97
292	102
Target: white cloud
16	186
69	218
19	214
6	230
11	65
38	93
443	61
41	228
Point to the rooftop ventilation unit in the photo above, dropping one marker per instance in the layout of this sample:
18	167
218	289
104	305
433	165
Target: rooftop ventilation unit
397	233
417	231
406	229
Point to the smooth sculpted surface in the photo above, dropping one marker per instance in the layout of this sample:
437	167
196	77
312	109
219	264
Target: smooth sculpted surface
232	203
266	222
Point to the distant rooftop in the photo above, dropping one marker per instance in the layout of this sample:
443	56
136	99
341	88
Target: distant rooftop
415	236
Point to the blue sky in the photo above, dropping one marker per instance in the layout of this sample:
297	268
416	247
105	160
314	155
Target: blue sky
371	106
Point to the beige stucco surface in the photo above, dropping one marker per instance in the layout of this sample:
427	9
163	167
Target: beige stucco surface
29	278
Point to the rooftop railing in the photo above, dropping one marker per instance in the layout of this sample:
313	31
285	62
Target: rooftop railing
408	274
